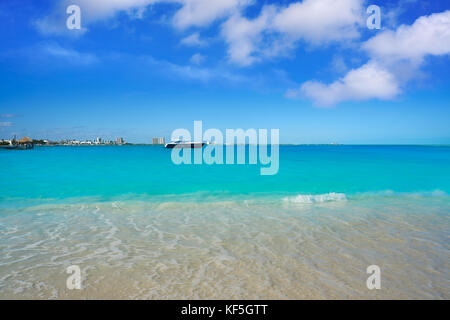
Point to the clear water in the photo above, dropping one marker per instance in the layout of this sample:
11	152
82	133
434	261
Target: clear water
141	227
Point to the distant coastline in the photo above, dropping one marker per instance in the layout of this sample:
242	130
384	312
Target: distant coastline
281	144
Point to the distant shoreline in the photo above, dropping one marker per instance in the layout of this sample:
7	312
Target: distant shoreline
281	144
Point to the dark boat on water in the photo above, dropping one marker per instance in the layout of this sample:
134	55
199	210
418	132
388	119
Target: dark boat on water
184	144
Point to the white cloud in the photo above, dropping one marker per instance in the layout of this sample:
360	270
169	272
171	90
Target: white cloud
272	33
428	35
100	9
315	21
193	40
6	124
91	10
197	59
394	55
203	12
276	30
401	52
320	21
243	36
367	82
192	13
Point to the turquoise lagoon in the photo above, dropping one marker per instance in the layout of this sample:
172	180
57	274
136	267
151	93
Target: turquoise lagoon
141	227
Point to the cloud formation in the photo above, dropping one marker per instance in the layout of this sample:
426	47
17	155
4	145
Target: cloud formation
191	13
428	35
320	21
243	36
393	56
367	82
193	40
277	29
201	13
392	52
316	21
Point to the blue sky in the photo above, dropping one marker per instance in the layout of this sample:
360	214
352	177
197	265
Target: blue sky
142	68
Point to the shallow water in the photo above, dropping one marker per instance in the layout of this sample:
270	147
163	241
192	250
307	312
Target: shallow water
222	236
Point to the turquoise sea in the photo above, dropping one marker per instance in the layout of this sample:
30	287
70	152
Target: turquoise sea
140	226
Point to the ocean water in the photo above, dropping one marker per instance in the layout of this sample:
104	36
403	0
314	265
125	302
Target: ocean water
140	227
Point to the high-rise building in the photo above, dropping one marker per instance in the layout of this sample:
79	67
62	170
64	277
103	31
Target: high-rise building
120	141
161	140
155	140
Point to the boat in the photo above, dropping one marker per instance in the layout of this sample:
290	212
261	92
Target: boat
184	144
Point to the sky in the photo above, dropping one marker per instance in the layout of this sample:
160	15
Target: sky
142	68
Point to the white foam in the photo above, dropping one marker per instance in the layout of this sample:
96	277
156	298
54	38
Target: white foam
317	198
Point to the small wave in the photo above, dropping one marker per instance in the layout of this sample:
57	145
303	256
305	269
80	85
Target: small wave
318	198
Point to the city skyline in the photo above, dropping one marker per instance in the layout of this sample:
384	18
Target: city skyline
146	68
